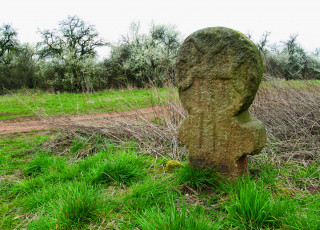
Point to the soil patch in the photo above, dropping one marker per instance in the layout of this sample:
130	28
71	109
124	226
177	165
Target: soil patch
94	120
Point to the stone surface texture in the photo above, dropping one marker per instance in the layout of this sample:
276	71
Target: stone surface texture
218	74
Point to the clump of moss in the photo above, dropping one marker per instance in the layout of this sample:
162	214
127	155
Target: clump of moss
172	165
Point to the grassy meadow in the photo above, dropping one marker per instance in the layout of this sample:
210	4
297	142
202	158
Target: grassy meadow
33	103
122	177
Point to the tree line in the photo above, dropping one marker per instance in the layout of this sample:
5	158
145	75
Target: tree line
66	58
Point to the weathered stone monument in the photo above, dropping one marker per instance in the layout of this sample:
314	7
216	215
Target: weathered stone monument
218	74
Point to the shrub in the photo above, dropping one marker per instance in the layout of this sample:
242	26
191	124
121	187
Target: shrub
19	70
291	61
139	58
72	75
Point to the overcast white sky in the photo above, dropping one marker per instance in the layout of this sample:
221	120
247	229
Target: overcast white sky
113	17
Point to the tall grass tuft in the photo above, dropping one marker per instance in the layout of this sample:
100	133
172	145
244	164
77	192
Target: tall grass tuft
306	216
38	165
121	168
40	198
27	186
76	205
43	163
149	193
198	178
252	206
80	204
177	217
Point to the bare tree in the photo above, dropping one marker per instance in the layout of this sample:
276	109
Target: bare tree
73	39
70	48
8	41
263	42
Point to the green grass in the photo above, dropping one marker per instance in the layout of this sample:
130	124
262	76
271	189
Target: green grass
121	169
55	181
292	83
149	193
12	150
19	105
75	205
198	179
32	103
177	216
116	188
253	206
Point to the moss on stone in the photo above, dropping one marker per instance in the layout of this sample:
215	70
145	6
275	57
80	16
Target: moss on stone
172	165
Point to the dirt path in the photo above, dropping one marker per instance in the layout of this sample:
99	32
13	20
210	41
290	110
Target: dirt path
11	126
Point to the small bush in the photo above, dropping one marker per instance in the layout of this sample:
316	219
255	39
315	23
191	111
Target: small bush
290	61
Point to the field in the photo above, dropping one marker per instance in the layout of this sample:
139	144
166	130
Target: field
121	176
29	104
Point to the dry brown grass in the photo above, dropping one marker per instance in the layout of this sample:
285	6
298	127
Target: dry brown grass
291	115
153	129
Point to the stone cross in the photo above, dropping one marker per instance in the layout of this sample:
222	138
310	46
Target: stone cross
218	74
